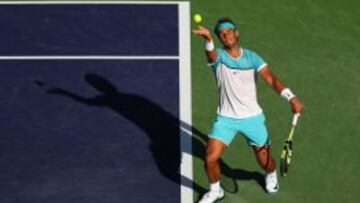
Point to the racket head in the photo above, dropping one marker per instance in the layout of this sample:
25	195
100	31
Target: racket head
285	158
284	162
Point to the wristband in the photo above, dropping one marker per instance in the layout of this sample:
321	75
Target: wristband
209	46
287	94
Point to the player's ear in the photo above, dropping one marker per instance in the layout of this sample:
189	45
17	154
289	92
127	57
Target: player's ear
237	33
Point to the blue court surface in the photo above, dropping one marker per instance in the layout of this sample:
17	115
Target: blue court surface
90	130
110	29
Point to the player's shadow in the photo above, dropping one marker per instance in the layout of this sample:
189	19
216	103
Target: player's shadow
242	174
160	126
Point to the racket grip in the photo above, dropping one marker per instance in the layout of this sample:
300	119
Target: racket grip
295	118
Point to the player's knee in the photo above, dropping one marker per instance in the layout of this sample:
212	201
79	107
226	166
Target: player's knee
211	159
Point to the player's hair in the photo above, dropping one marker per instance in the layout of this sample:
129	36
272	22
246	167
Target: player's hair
223	20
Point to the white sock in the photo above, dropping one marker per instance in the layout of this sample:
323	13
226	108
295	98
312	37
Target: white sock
215	186
272	172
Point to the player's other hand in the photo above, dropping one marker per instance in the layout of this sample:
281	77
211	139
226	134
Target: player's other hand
203	32
296	105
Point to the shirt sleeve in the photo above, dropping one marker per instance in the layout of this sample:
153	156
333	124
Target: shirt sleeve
217	61
257	61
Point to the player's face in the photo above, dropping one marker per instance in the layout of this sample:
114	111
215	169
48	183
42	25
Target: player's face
228	37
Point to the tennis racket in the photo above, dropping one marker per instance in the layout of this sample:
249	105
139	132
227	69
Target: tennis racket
286	152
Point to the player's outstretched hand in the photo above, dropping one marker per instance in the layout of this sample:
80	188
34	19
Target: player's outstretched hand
296	105
203	32
56	90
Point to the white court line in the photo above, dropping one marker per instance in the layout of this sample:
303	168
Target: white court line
87	2
185	101
89	57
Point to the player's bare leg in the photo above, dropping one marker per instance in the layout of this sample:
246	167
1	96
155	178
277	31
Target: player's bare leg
267	162
264	158
214	150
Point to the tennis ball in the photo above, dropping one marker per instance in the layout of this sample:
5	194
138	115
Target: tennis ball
197	18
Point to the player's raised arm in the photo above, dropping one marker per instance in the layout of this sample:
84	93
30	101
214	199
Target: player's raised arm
209	44
280	88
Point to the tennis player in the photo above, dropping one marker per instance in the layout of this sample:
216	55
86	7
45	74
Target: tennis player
236	69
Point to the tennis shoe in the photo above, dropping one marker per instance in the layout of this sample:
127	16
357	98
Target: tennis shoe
271	181
212	196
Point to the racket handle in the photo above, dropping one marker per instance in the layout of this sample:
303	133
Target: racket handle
295	118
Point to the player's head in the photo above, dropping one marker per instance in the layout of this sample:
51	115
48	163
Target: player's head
227	32
100	83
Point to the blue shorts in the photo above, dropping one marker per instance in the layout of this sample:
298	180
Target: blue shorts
253	128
